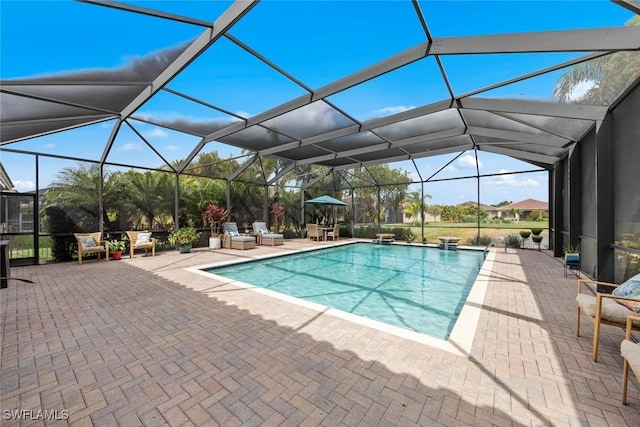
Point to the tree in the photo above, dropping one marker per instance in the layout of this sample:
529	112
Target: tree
416	206
75	191
393	185
151	193
608	76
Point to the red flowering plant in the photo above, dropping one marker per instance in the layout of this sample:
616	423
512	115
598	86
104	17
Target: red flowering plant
214	216
278	212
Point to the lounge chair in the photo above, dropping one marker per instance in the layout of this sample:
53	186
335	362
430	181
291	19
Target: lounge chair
91	243
608	309
630	351
141	240
232	238
335	234
265	237
314	232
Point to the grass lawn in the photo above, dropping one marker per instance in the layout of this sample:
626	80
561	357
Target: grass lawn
468	231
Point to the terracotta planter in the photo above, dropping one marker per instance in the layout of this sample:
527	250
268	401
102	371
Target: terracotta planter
116	255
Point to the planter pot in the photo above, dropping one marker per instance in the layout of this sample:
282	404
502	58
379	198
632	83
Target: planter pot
116	255
571	262
185	249
215	242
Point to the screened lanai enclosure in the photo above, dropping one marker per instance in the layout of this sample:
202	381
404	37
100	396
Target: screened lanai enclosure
442	117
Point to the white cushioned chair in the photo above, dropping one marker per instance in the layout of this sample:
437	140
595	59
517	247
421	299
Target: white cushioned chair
91	243
335	234
139	240
265	237
232	238
608	309
630	350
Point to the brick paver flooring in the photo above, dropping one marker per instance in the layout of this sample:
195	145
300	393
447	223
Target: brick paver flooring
146	342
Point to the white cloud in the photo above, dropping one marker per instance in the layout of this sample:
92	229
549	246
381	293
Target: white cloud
50	145
131	147
171	147
388	111
243	113
24	185
511	180
156	133
468	161
581	89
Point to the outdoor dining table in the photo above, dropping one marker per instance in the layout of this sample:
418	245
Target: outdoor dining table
325	230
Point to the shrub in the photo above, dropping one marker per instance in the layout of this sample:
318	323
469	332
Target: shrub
483	240
370	231
57	222
513	241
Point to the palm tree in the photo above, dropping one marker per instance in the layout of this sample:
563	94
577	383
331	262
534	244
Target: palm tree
608	76
75	191
151	193
416	206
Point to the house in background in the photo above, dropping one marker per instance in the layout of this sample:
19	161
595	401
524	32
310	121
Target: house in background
491	211
529	209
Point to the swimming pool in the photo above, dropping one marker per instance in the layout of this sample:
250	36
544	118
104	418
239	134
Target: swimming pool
417	288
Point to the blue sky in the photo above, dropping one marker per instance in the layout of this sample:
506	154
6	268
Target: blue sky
316	42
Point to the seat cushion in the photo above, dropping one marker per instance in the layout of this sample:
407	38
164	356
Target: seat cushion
273	236
630	288
611	310
243	239
631	351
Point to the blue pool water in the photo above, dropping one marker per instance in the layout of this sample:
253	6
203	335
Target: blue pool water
418	288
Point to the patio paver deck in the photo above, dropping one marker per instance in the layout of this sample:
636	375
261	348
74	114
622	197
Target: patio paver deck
146	342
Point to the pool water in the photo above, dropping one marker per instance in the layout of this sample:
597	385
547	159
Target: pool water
418	288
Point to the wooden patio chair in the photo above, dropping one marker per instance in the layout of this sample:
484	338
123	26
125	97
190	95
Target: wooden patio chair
313	232
91	243
605	309
630	351
139	240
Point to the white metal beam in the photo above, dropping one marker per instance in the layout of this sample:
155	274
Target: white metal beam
551	109
523	155
592	40
632	5
542	139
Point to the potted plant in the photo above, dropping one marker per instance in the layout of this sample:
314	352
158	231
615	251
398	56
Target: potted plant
525	235
571	258
537	239
214	216
184	238
116	247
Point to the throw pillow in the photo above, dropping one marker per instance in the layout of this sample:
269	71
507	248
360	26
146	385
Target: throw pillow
143	238
264	231
87	242
630	288
234	233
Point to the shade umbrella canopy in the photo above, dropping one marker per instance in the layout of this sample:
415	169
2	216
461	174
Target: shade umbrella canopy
326	200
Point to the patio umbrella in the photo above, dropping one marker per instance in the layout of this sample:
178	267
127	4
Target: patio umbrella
326	200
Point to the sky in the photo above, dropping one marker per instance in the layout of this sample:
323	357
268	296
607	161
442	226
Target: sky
317	43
